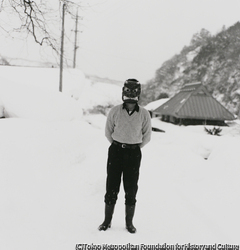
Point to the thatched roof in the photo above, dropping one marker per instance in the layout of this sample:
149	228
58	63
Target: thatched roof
194	102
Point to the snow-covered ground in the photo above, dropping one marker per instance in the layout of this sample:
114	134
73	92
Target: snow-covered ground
53	169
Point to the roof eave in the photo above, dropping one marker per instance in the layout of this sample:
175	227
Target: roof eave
197	117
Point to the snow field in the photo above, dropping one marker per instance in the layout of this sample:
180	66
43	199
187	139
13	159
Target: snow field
53	171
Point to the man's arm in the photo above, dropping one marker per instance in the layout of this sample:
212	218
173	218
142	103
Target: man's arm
109	128
146	130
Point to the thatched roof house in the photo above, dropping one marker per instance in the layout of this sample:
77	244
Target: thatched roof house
193	105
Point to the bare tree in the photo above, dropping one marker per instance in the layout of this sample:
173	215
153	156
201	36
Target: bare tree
40	18
29	17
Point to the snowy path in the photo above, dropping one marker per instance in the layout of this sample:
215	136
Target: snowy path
52	182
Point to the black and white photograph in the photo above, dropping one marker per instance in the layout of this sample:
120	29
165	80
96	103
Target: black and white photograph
119	124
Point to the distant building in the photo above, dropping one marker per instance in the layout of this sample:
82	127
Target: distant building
193	105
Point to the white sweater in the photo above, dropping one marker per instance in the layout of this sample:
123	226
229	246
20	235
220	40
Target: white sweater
130	129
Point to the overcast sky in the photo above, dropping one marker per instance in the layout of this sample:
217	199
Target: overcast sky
132	38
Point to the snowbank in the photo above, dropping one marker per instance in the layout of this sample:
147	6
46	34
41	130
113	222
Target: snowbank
25	101
99	94
46	78
42	82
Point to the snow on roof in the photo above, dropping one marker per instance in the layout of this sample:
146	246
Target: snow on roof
153	105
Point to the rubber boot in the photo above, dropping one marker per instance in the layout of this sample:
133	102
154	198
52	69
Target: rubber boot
129	218
108	217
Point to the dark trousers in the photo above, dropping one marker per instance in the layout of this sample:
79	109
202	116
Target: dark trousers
122	162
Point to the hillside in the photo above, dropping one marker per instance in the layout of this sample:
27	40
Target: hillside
212	60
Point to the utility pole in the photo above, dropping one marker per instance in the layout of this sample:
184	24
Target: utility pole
62	48
75	43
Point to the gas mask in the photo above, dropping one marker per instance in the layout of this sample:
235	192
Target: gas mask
131	91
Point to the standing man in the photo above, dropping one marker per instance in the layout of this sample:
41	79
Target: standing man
128	129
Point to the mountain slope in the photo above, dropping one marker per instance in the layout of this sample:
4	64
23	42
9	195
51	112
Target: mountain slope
212	60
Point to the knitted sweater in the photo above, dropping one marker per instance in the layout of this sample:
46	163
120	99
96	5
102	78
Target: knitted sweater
130	129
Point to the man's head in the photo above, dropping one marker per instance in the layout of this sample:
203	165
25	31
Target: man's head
131	91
